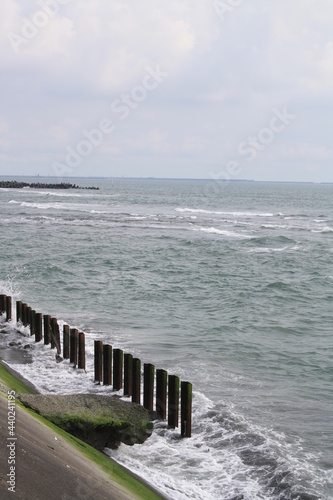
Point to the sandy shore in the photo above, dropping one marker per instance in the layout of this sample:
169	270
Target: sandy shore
48	466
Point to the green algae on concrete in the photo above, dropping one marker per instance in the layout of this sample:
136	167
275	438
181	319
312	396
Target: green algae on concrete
116	472
101	421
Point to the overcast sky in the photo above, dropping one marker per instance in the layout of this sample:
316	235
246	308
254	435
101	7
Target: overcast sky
167	88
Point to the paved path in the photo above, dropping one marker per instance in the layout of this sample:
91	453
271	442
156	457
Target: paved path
48	467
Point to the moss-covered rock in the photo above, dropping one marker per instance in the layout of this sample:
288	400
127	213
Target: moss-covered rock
101	421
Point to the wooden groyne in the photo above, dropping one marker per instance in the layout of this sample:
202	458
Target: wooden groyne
160	393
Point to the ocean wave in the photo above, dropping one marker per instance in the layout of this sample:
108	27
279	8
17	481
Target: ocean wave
326	229
264	240
274	226
223	232
233	214
274	250
58	194
226	457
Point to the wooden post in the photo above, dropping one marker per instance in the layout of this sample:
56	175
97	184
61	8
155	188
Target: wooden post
28	316
98	348
65	340
24	314
3	304
73	345
118	357
161	393
186	409
32	322
38	327
53	322
173	401
136	381
47	328
82	351
18	311
107	364
148	386
128	374
9	308
55	335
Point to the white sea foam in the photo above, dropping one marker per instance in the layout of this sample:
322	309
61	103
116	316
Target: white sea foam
326	229
214	317
292	248
274	226
233	214
208	466
223	232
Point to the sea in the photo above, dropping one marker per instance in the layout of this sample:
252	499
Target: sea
228	285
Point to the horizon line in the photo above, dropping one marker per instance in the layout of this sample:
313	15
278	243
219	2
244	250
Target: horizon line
38	176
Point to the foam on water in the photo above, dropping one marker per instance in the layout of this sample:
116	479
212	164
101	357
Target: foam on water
232	214
226	457
231	234
232	294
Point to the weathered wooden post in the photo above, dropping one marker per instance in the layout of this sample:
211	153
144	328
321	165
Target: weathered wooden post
148	386
161	393
24	314
9	308
107	364
55	335
118	357
82	351
73	345
18	311
28	316
186	409
3	303
173	401
128	374
32	322
136	381
98	360
47	328
53	322
65	340
38	327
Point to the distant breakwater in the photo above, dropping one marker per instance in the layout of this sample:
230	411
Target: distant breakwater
41	185
111	367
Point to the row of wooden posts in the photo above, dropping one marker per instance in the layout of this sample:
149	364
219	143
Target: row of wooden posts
112	366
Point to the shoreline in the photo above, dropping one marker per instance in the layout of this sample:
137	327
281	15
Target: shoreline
116	476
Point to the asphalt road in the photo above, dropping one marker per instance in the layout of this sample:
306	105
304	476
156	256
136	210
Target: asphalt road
46	466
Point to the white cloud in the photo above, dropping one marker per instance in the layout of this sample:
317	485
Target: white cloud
308	151
4	126
193	144
225	77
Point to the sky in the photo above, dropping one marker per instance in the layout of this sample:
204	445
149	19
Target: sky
234	89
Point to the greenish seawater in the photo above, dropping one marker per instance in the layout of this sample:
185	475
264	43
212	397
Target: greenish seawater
228	285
